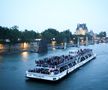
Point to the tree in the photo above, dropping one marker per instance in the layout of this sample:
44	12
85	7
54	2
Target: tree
66	36
4	34
102	34
14	35
49	34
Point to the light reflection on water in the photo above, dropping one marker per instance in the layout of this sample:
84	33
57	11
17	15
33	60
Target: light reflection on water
1	59
24	56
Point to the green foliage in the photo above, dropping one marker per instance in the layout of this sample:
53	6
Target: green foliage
15	36
49	34
66	36
4	31
60	37
27	36
102	34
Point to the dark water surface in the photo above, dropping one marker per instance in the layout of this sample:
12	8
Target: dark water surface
92	76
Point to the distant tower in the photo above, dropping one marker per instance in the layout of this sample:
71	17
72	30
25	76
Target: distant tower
81	29
81	32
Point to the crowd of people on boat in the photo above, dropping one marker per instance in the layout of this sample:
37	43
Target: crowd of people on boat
52	62
56	60
44	71
83	51
40	70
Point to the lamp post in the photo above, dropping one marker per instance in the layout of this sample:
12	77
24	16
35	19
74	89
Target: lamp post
9	44
86	40
53	43
78	39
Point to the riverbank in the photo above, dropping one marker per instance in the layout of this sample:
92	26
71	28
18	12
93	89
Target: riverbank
30	48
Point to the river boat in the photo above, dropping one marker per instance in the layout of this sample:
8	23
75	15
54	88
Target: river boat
56	67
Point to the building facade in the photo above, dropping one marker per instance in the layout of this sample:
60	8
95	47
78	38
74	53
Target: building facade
81	29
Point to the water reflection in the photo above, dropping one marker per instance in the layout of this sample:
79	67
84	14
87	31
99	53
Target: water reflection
0	59
24	56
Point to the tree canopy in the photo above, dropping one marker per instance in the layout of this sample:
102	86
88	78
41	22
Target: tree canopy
49	34
14	35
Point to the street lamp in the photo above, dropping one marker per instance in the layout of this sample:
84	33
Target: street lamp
53	43
7	40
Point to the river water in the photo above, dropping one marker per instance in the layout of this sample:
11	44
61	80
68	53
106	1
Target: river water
92	76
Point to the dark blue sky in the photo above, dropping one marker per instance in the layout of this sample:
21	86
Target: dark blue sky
39	15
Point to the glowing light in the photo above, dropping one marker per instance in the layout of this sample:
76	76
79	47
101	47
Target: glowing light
25	54
81	32
62	44
53	48
82	41
71	41
24	45
53	43
1	46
